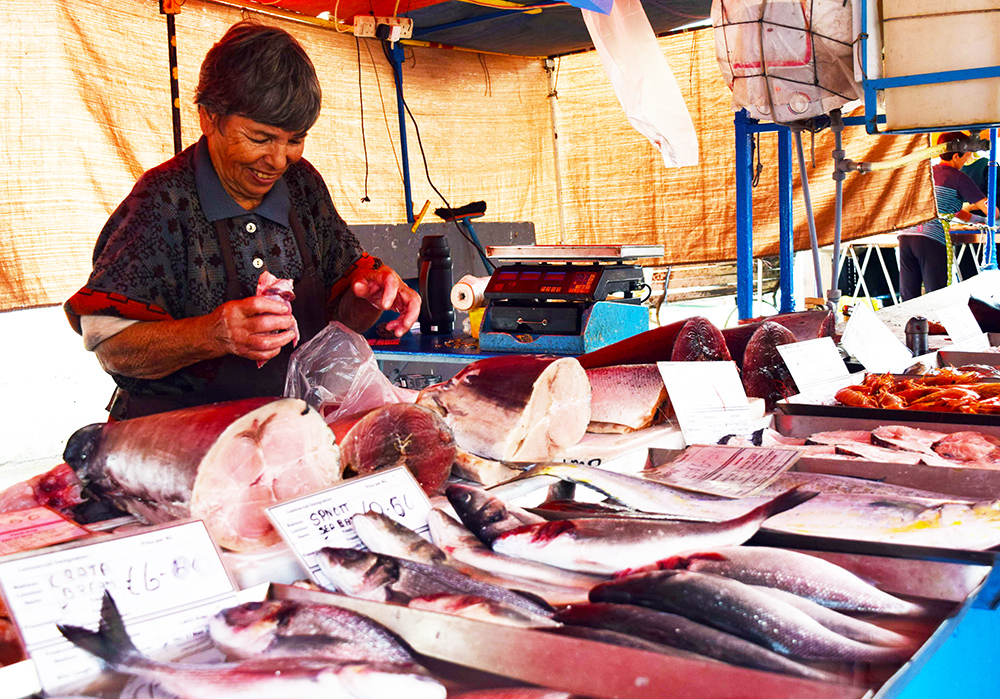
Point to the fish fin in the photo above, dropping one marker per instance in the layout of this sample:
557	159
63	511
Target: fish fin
111	642
786	501
532	597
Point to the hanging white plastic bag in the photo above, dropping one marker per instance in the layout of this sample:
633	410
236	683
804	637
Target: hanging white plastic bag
642	80
336	373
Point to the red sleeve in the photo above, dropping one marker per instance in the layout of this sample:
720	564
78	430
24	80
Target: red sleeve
87	302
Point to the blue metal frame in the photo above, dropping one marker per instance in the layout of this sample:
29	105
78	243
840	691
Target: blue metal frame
786	238
396	58
990	258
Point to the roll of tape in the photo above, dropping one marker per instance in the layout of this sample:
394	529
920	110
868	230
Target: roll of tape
467	294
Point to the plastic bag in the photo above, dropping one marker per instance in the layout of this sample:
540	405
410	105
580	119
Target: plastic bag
336	373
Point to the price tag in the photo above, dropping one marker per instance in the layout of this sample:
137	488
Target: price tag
816	366
873	344
167	583
733	472
708	398
311	522
963	329
35	528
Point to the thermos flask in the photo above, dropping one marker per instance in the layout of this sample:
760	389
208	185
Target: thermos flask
916	335
437	317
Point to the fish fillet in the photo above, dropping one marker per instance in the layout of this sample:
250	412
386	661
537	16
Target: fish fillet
625	398
514	407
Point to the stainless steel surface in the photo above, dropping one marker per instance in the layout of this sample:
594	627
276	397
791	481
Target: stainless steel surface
573	252
569	664
957	358
838	414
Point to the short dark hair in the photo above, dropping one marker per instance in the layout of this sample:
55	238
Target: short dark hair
261	73
948	137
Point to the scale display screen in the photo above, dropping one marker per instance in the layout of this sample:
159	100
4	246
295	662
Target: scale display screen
532	281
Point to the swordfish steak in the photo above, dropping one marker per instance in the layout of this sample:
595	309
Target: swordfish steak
222	463
514	407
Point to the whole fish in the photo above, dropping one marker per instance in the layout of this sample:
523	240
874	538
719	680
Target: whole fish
274	628
845	625
486	515
648	495
389	579
605	546
263	678
617	638
462	546
223	463
514	407
680	632
807	576
740	609
481	609
382	534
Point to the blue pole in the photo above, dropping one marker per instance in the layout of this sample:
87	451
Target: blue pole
786	240
397	57
990	259
744	217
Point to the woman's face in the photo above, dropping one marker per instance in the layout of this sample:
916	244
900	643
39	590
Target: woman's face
249	156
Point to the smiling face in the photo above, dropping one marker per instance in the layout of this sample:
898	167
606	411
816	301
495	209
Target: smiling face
249	156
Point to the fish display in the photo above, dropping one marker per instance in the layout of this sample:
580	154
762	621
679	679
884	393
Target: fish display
276	677
948	390
400	434
486	515
269	286
739	609
514	407
764	372
803	575
479	470
804	325
58	488
605	546
680	632
383	534
699	341
625	398
222	463
388	579
904	444
482	609
274	628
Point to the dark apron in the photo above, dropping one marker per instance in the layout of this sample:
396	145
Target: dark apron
238	377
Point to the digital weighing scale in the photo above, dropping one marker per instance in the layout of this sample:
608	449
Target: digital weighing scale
564	299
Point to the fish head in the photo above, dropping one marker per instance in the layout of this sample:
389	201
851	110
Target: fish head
358	573
248	629
478	510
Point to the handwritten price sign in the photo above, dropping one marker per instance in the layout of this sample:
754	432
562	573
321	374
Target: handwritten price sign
309	523
166	582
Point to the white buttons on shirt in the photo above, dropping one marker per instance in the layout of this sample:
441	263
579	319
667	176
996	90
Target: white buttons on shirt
251	227
258	263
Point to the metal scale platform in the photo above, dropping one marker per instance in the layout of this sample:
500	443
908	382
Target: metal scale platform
564	299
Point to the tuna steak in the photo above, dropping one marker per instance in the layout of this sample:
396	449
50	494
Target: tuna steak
805	325
764	372
401	434
223	463
969	446
699	341
515	407
625	398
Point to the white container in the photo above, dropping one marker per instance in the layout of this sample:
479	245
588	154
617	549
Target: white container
929	36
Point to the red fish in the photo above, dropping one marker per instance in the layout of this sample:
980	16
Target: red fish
764	372
805	325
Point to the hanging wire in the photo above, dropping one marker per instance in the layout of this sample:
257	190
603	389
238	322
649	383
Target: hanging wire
361	101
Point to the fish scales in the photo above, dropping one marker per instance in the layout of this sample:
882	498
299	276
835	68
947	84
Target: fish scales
736	608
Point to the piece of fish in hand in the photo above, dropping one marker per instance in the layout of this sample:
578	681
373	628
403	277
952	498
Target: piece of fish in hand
263	678
269	286
807	576
740	609
283	628
515	407
223	463
625	398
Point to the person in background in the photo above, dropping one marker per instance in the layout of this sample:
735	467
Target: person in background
922	249
170	308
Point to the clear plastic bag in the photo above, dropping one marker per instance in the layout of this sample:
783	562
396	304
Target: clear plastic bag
336	373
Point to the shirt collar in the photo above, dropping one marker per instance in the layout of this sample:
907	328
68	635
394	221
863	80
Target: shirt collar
217	203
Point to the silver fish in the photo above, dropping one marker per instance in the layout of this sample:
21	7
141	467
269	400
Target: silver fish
845	625
263	678
807	576
680	632
382	534
481	609
605	546
486	515
389	579
739	609
562	586
274	628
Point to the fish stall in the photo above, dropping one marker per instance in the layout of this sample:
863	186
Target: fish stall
496	534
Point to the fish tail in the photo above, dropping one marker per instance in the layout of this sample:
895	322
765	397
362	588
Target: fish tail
111	642
786	501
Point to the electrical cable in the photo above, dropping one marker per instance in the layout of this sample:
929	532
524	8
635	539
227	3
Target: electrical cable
361	101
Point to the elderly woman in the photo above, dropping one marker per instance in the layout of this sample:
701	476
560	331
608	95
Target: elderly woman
170	308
